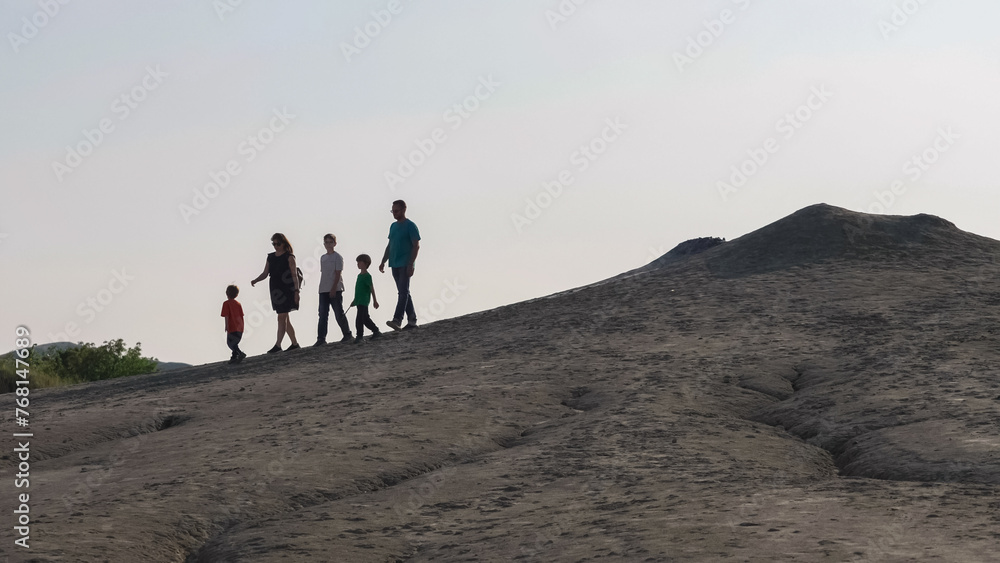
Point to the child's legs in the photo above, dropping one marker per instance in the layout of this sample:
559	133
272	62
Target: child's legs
233	341
324	316
338	313
361	320
371	324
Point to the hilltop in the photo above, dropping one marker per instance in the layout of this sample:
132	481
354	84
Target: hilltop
821	389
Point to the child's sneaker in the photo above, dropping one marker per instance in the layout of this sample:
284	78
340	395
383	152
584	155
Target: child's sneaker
376	334
359	340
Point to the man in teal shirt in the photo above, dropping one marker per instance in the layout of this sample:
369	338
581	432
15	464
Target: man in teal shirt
401	253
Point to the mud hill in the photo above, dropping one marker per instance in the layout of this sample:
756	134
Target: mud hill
822	389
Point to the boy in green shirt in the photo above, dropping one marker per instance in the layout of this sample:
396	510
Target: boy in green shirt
364	292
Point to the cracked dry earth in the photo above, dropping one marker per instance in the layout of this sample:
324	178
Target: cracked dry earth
845	410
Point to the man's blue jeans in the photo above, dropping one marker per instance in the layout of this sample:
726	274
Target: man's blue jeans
404	304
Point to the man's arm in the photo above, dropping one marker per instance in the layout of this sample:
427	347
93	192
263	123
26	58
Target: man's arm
413	257
385	258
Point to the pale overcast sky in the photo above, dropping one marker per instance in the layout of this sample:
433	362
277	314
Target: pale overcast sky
540	145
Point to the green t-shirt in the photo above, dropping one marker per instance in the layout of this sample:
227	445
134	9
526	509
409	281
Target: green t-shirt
363	290
401	239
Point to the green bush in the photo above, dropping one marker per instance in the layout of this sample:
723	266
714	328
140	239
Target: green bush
87	362
38	378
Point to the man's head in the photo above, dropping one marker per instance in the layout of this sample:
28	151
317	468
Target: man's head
399	210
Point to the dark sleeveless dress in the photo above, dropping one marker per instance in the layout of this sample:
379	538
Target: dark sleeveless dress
282	286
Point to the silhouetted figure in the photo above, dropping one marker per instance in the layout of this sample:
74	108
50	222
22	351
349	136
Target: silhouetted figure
284	284
401	253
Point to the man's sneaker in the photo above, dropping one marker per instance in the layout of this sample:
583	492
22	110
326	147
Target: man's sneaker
393	324
275	350
319	343
293	347
376	334
410	326
347	338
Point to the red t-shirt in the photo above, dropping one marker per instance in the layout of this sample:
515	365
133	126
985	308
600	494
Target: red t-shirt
233	312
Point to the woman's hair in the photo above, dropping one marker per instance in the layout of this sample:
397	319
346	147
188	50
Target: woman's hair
278	237
367	260
232	291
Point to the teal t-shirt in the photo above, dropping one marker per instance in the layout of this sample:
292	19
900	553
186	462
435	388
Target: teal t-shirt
401	238
363	290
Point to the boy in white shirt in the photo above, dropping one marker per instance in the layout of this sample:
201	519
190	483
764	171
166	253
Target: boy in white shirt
331	291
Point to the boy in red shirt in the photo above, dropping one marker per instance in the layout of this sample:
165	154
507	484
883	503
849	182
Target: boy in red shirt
233	312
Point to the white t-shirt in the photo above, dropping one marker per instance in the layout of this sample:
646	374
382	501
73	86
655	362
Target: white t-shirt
328	265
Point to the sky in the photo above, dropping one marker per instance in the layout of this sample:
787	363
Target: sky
151	149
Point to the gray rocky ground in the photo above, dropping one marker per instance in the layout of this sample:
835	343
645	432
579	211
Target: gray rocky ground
824	389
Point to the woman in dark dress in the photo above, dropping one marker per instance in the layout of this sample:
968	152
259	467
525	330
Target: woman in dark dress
280	267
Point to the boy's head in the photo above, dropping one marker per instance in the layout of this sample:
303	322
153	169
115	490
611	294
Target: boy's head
232	291
364	261
329	239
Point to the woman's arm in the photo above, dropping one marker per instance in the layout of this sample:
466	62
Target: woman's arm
295	278
295	273
264	274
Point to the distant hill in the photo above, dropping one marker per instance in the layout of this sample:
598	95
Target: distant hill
822	232
60	346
